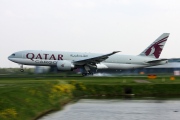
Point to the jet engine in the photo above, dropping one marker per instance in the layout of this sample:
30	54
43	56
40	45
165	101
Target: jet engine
64	65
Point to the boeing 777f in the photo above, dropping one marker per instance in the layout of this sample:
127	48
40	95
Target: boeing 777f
72	60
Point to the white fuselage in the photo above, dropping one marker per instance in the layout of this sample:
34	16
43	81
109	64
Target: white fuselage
50	58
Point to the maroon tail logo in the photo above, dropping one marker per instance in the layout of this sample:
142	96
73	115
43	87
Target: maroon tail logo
156	48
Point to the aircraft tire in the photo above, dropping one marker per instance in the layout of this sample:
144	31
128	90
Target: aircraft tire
22	70
84	74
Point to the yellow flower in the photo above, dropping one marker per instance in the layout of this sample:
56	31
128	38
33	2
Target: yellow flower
8	113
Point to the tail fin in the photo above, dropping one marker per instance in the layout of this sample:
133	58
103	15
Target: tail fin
154	50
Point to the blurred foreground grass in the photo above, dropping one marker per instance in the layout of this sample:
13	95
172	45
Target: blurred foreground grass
25	100
27	97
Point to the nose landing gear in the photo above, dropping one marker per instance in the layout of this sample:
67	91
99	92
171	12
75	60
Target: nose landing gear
21	68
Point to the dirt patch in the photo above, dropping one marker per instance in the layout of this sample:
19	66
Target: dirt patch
142	81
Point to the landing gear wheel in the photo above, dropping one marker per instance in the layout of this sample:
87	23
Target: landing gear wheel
91	73
22	70
84	74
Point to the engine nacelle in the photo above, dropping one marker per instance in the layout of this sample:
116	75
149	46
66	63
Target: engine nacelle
64	65
101	66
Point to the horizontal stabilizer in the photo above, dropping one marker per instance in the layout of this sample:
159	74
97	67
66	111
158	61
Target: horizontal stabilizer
156	61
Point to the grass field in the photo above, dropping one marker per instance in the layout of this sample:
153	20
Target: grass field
91	80
25	97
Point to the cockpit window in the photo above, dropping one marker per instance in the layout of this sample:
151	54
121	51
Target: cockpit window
13	54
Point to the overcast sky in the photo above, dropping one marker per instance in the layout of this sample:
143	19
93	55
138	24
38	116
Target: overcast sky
99	26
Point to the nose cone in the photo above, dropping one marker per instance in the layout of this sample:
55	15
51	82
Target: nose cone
10	57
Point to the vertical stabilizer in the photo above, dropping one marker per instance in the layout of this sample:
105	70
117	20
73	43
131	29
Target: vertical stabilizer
154	50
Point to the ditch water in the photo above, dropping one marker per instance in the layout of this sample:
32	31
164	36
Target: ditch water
119	109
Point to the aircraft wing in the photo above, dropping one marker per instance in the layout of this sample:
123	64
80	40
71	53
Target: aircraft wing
94	60
156	61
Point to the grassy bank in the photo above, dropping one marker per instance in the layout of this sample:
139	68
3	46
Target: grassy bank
23	98
27	100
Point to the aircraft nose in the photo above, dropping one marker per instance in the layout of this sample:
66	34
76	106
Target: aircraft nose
10	58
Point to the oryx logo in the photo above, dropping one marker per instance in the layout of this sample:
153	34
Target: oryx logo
62	65
156	48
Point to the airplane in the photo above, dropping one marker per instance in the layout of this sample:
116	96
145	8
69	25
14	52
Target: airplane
68	61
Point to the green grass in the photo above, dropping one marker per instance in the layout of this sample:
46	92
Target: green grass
24	100
35	80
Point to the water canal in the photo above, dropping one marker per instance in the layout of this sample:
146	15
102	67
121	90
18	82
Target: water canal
119	109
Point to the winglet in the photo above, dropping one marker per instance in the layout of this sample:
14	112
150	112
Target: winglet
115	52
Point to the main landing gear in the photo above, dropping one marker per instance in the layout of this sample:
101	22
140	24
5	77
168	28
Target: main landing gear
21	68
87	74
87	71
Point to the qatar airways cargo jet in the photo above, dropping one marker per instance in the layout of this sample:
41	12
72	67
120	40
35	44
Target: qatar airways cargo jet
72	60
